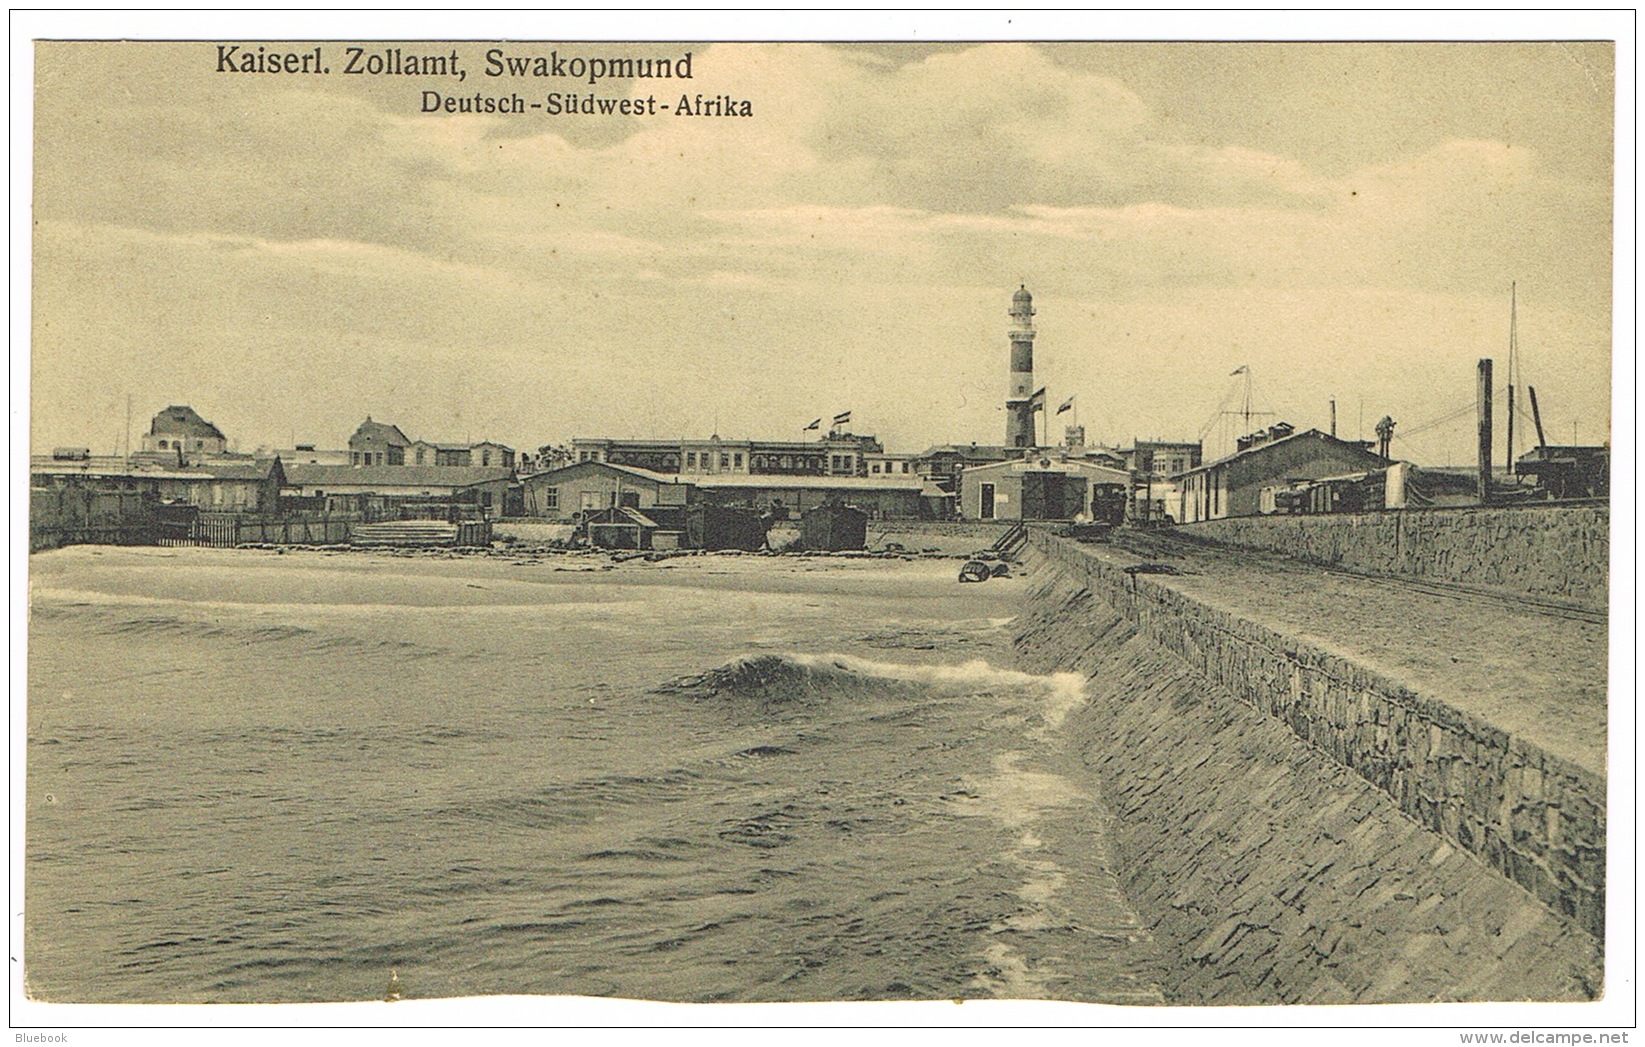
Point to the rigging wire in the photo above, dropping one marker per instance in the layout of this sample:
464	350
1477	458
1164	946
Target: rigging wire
1217	414
1449	416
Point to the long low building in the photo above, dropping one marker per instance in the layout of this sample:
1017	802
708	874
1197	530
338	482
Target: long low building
1278	456
882	497
834	455
487	485
217	486
589	486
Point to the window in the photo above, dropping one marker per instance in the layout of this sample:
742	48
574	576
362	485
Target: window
691	459
551	498
875	468
485	457
420	453
737	460
164	446
725	461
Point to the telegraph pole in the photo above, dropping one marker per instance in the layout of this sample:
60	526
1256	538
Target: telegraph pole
1484	401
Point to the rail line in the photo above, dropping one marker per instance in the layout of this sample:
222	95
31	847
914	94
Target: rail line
1156	545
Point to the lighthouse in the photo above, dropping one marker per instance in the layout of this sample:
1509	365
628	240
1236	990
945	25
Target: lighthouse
1019	402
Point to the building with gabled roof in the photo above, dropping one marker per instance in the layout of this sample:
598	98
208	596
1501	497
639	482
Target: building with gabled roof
178	431
377	443
1042	486
943	464
582	487
590	485
219	486
408	479
1232	485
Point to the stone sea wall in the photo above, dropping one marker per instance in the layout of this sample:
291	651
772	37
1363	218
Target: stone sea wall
1536	817
1266	870
1555	552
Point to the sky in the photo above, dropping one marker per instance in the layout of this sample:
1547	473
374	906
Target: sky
290	254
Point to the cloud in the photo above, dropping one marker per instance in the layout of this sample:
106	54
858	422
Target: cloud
857	238
286	164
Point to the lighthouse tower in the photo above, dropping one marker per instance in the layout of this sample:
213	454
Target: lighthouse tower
1019	402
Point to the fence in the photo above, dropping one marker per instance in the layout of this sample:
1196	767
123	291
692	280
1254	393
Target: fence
227	530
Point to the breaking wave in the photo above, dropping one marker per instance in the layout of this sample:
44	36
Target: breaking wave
801	679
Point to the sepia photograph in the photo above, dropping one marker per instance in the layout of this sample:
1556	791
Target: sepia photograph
998	512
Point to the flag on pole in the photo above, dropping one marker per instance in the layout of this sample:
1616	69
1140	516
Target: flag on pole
814	425
1037	401
1066	405
843	418
1242	369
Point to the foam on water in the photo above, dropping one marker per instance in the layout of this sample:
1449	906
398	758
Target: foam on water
258	800
811	677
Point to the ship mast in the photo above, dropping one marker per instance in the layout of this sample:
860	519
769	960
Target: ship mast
1513	364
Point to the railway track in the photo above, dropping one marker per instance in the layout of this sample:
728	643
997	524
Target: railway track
1162	546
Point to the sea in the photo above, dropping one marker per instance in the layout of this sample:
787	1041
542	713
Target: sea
264	777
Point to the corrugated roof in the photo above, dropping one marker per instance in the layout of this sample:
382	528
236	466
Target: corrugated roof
1052	465
306	475
991	451
112	466
1259	448
844	483
552	475
710	481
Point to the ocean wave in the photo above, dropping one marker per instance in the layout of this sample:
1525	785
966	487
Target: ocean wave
109	620
794	678
576	802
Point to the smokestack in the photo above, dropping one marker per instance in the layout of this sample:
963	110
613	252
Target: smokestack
1333	416
1484	400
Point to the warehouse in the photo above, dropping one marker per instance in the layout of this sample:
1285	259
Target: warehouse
582	487
1233	486
1041	488
895	497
